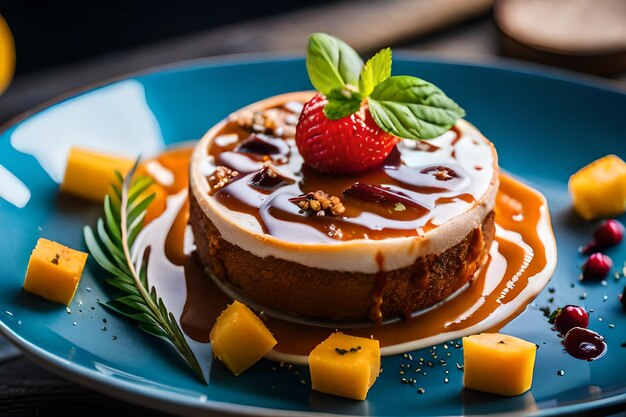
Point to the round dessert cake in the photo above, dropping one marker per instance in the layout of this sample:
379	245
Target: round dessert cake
386	242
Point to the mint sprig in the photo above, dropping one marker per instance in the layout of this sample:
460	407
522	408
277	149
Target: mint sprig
405	106
331	63
409	107
376	70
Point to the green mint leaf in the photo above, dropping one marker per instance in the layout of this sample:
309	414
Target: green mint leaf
331	63
376	70
411	108
342	102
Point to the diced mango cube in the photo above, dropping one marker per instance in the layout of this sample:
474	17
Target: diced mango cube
89	174
345	365
498	363
599	189
239	338
54	271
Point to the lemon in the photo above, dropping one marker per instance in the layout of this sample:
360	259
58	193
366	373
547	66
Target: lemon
7	55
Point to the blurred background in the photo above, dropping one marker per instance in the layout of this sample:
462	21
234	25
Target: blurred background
65	44
55	47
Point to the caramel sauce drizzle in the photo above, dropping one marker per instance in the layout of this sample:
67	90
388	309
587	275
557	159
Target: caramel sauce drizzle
425	188
506	273
176	161
380	282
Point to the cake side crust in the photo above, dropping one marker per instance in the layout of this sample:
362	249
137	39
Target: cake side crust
341	295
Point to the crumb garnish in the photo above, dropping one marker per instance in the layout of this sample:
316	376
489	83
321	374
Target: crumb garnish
275	121
319	203
56	259
221	177
441	173
341	351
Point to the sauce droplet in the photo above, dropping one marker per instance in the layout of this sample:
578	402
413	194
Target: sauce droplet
584	344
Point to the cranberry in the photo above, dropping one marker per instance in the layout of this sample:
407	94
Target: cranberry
584	344
610	233
377	194
269	179
597	266
259	144
622	298
569	317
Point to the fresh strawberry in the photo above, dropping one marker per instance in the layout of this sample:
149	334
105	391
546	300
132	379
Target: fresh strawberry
361	110
350	144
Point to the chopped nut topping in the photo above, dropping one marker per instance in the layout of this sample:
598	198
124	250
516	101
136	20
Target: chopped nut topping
221	177
319	203
279	122
441	173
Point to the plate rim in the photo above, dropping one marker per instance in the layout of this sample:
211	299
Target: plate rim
478	61
152	398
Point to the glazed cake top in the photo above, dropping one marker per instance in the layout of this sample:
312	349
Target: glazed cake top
250	180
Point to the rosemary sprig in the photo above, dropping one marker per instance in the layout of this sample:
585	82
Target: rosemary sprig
124	211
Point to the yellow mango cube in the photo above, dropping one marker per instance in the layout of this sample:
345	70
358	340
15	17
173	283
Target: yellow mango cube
599	189
345	365
239	338
498	363
89	174
54	271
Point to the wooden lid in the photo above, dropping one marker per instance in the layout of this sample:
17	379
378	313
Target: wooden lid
585	35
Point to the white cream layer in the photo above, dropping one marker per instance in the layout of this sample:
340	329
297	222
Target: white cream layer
453	221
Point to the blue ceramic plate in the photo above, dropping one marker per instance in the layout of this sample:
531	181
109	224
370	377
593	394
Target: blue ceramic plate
545	127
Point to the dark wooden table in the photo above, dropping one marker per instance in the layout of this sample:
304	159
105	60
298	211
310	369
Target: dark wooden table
28	390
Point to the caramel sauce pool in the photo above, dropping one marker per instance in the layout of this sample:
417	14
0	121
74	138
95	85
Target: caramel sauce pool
511	263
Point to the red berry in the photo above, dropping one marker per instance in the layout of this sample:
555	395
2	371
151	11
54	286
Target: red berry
597	266
584	344
569	317
622	298
351	144
610	233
